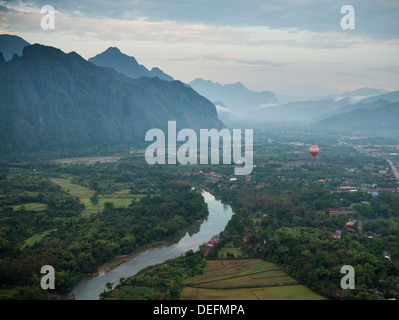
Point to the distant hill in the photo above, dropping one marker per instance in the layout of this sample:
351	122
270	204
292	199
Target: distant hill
237	97
379	120
50	100
364	91
156	72
390	96
127	65
357	95
293	112
10	45
224	113
315	110
351	107
296	112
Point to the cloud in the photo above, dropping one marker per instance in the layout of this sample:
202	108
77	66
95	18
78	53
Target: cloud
251	39
347	74
225	57
170	32
264	63
301	23
4	9
392	69
221	109
374	19
264	106
219	56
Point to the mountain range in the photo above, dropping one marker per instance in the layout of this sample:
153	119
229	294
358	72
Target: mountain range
10	45
235	97
127	65
377	118
360	93
50	100
313	111
236	105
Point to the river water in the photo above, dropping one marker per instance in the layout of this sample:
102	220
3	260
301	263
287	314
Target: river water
89	288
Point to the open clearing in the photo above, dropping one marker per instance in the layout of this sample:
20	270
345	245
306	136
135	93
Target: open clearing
35	238
31	206
245	279
89	160
120	198
74	189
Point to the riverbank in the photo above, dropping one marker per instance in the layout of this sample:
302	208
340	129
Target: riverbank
126	266
118	260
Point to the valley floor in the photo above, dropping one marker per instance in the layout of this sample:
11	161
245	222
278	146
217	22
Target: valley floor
245	279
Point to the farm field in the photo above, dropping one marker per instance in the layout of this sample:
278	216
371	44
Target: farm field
32	206
245	279
89	160
74	189
120	198
35	238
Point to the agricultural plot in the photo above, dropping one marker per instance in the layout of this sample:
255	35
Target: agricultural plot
35	238
89	160
31	206
244	279
230	253
120	198
83	193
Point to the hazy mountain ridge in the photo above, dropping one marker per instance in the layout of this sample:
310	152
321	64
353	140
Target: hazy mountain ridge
352	107
127	65
237	97
10	45
311	111
364	91
151	99
361	93
374	119
390	96
52	100
236	103
224	113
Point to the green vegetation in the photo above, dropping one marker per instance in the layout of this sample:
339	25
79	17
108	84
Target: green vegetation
283	215
160	282
74	243
36	238
92	200
33	206
92	109
80	215
246	279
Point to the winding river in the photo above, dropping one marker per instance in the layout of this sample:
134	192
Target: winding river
89	288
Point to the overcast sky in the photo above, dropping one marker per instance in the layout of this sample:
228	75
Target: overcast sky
292	47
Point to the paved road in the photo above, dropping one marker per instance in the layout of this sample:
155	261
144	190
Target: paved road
394	169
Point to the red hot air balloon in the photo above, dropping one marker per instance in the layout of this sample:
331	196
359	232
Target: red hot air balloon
314	150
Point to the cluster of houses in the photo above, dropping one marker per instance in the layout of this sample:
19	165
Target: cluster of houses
210	244
371	234
341	210
214	177
347	188
377	191
211	177
350	227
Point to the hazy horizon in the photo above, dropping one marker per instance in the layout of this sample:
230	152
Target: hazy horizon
294	48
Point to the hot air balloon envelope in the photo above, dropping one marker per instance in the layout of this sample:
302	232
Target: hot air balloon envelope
314	150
